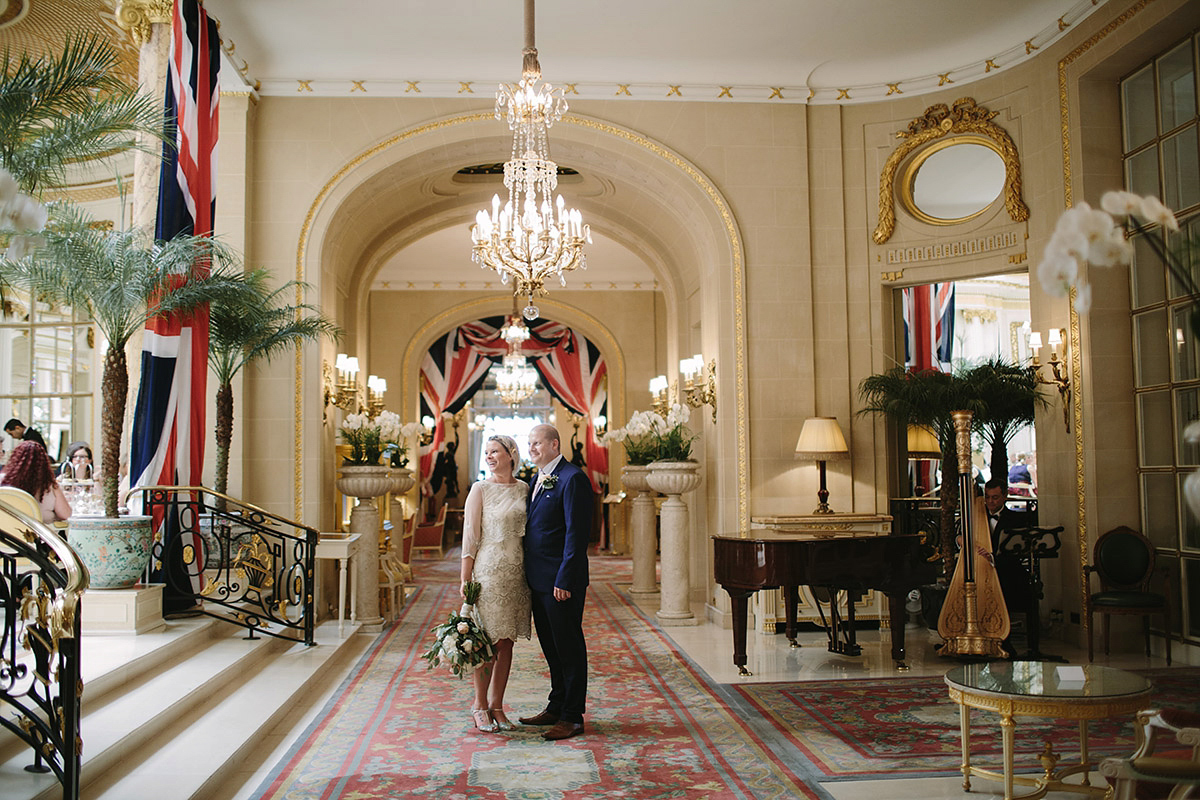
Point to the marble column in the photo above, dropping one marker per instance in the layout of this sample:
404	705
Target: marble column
149	23
674	478
642	524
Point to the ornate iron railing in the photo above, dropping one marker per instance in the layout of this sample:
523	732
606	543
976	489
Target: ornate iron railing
41	582
233	561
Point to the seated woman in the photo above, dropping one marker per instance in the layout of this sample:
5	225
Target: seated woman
78	465
29	468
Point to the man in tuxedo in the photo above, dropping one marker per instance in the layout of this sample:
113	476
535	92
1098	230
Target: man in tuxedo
1015	580
557	532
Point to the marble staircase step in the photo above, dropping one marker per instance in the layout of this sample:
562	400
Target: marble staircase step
165	715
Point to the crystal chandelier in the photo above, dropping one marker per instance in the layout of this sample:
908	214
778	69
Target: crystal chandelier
530	238
516	380
514	333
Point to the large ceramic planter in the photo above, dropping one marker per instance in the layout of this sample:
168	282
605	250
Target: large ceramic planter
642	525
364	481
674	478
115	550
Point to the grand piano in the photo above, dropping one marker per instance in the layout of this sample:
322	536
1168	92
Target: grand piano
769	559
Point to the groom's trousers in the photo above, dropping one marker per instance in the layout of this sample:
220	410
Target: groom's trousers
560	630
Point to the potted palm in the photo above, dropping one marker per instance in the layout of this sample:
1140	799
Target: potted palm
122	279
250	323
1009	395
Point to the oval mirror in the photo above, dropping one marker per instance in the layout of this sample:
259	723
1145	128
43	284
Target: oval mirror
953	181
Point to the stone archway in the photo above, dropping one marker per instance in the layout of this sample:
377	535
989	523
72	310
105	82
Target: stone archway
671	212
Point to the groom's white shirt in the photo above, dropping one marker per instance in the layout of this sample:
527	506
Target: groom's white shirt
546	472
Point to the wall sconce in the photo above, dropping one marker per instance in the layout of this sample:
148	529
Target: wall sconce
600	424
341	390
1056	338
821	440
376	388
428	423
659	391
699	384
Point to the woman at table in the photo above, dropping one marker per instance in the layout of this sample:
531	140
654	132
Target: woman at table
493	555
29	468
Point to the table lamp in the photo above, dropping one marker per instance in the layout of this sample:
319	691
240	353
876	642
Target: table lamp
821	440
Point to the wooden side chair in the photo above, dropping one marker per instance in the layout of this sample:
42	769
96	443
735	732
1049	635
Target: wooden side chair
428	538
1123	559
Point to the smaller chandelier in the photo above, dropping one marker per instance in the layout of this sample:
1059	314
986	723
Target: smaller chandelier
516	380
514	333
531	238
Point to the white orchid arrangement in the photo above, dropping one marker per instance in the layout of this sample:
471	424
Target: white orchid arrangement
460	642
1100	237
365	439
395	436
649	436
21	217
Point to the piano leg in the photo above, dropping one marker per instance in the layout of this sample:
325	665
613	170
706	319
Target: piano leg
739	606
898	617
791	599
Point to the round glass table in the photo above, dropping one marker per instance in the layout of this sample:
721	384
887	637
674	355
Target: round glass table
1039	689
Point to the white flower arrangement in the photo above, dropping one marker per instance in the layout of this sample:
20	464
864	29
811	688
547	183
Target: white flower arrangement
651	437
460	642
363	435
1099	237
21	217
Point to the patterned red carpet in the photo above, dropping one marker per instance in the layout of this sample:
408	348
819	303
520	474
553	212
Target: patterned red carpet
656	728
908	727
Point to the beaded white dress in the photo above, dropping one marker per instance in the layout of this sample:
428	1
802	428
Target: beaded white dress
493	532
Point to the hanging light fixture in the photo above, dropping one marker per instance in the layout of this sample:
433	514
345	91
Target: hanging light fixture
515	332
516	380
530	239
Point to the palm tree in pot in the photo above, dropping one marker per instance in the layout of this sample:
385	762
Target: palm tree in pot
254	322
926	397
1010	395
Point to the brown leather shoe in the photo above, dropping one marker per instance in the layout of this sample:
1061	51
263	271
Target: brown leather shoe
563	730
546	717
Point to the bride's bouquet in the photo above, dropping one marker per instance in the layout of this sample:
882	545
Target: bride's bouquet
461	642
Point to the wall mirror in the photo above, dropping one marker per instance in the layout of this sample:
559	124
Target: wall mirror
953	180
950	166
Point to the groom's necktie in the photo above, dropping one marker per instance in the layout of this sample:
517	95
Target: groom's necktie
537	487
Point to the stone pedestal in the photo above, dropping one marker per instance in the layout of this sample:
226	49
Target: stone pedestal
674	478
366	483
402	480
122	611
642	534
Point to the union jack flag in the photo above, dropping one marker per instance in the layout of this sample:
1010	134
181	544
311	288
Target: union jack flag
168	424
929	326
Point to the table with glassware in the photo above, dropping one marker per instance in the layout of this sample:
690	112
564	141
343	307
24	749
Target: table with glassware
1039	689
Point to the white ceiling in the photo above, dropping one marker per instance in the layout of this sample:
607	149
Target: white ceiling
799	50
797	45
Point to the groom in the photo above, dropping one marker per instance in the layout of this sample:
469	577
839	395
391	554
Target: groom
557	533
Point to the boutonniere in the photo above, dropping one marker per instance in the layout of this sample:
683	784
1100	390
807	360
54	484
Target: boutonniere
550	482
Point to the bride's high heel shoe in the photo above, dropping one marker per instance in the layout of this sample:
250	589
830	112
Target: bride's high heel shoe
502	721
483	721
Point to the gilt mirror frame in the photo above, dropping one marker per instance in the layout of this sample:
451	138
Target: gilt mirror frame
938	128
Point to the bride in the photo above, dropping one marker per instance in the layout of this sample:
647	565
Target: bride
492	554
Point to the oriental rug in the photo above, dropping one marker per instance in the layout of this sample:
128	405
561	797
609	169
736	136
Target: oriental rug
909	727
601	568
656	728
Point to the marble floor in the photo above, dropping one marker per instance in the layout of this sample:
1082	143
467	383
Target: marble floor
710	647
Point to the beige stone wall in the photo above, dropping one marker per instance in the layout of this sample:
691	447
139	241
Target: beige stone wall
799	187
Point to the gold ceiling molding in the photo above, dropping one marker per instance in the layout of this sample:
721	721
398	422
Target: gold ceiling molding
42	27
140	16
939	121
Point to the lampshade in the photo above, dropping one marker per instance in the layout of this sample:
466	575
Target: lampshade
821	440
922	443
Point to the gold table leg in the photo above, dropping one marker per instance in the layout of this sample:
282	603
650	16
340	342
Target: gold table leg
1006	730
964	723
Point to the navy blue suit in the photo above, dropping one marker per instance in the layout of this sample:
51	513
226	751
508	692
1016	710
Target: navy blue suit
557	534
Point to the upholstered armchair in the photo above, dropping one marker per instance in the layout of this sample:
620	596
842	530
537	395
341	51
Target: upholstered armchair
1151	773
1123	559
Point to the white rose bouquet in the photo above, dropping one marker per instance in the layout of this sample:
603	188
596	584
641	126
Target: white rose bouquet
461	642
